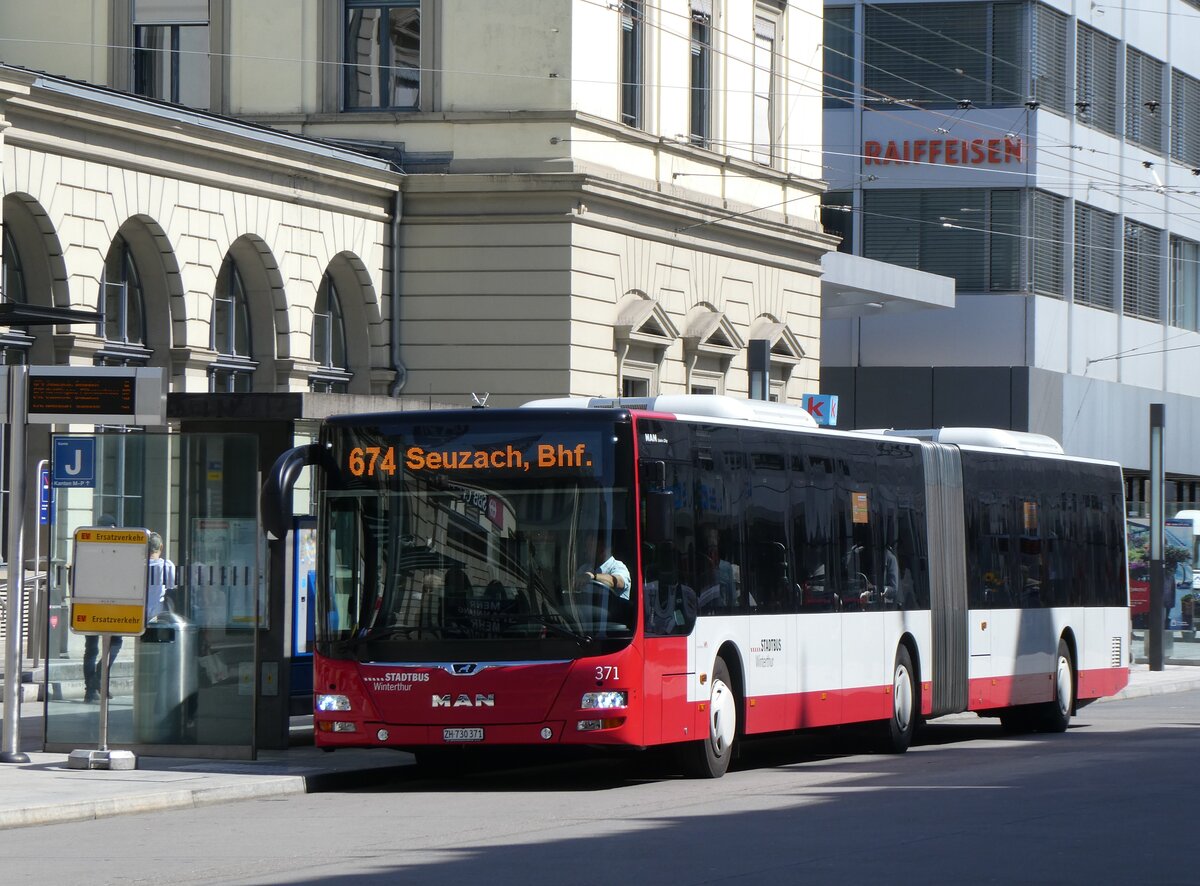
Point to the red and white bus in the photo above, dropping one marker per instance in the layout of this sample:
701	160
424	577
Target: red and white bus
689	570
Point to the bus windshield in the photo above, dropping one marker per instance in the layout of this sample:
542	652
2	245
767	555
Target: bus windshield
471	539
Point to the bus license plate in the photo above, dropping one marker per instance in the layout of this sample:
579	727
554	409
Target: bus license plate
462	734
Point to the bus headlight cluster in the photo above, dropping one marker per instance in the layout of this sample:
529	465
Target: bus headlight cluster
333	703
616	698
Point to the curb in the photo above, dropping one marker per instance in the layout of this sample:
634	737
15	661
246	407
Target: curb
278	786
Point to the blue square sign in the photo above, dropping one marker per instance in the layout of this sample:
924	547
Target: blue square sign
74	462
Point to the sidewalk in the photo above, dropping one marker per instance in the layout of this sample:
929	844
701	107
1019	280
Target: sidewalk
45	791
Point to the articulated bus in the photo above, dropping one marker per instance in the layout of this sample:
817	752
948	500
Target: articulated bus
691	570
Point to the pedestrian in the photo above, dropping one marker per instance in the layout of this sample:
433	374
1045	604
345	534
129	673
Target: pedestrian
91	647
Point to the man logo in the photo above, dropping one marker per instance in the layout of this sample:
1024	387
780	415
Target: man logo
464	701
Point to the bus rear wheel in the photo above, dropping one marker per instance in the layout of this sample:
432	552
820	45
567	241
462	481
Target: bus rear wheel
1055	716
710	757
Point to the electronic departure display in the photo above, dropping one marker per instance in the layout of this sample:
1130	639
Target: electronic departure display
81	395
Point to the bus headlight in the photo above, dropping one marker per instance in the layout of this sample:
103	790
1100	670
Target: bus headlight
615	698
333	703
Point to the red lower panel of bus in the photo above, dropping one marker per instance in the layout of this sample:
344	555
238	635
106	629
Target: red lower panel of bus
1002	692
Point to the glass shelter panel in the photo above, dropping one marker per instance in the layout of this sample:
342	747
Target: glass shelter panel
187	685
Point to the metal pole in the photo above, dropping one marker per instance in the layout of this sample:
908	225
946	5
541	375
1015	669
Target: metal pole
11	739
105	646
41	602
1154	618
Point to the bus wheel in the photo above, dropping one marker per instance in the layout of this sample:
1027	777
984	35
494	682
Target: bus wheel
897	733
1055	716
710	758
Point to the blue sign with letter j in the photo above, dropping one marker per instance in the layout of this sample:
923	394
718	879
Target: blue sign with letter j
74	462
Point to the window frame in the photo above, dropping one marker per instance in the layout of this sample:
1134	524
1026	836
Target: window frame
632	90
1094	261
1141	271
231	371
1184	305
333	374
144	66
700	78
767	23
386	74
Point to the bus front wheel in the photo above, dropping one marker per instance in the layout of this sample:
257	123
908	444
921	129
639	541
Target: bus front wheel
710	757
896	734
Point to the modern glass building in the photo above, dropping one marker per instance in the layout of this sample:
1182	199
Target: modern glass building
1047	157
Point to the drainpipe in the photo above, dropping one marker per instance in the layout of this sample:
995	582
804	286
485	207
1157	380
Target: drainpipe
398	366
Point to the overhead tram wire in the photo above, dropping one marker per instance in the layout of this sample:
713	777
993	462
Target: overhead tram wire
719	52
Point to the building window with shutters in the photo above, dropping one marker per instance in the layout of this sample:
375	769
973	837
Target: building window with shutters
766	23
973	236
382	55
1048	219
838	53
1185	118
1144	100
942	54
171	51
1048	58
1185	284
633	63
1096	79
1142	272
1095	256
701	80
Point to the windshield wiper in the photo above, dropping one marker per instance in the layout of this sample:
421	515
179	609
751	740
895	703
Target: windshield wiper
543	620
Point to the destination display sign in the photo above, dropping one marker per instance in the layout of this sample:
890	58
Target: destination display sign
367	454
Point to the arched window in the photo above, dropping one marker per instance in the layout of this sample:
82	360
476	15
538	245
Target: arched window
14	341
329	342
231	338
122	305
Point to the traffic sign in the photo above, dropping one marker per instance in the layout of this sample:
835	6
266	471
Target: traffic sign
74	462
109	580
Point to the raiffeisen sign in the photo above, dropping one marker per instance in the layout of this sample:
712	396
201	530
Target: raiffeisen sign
950	151
911	148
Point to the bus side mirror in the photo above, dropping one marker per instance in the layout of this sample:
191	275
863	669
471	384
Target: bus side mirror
660	516
275	499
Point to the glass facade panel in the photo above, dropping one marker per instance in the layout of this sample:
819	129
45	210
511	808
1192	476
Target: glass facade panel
839	56
946	53
969	235
1185	283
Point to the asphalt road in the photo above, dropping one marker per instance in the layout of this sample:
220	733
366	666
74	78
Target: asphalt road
1116	800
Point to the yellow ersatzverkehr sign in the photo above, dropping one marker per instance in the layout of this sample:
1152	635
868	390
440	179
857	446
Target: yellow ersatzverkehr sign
109	579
